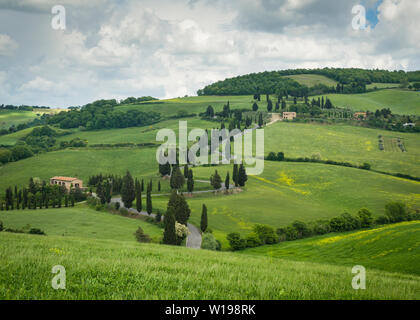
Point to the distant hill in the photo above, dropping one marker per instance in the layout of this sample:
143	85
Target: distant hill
269	82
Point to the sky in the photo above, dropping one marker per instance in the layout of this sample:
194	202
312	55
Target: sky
171	48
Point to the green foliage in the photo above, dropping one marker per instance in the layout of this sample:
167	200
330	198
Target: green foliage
127	190
235	241
209	242
216	180
169	235
180	207
396	211
141	236
204	222
365	217
265	233
36	231
242	176
177	178
253	240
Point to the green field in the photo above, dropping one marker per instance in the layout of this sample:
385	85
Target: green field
297	191
109	269
81	222
311	80
392	248
382	85
399	101
344	143
15	117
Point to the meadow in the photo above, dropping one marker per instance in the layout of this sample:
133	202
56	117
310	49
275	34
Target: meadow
110	269
15	117
398	100
392	248
286	192
79	221
311	80
344	143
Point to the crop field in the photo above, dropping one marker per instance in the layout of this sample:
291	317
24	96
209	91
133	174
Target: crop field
310	80
110	269
344	143
79	221
286	192
398	100
392	248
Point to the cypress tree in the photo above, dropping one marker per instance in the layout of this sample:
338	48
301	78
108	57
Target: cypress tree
177	179
149	201
260	120
25	198
235	174
181	208
203	223
216	181
127	190
142	185
72	199
66	201
186	171
227	181
242	177
159	186
169	235
190	181
139	205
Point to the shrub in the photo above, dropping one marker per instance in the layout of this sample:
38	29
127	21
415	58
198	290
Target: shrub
352	223
219	245
382	220
365	217
158	216
124	211
235	241
413	216
1	226
209	242
302	229
338	224
321	227
141	236
36	231
365	166
117	205
265	233
253	240
396	211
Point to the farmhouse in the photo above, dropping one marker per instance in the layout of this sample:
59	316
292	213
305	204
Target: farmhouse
360	115
289	115
409	124
68	182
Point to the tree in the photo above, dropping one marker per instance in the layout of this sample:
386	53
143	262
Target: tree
283	104
177	178
242	177
107	191
210	112
138	200
203	223
127	190
169	235
149	201
159	186
365	217
255	107
396	211
186	171
260	120
269	105
190	181
235	174
227	182
216	180
181	209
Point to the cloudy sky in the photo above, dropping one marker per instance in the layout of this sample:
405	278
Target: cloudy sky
170	48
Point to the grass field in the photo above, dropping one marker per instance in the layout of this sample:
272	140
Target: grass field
15	117
109	269
297	191
311	80
392	248
344	143
382	85
399	101
85	162
81	222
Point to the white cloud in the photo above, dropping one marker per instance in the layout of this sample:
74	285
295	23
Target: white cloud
7	45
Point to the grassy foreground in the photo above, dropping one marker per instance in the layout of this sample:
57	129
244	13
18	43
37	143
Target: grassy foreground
79	221
109	269
393	248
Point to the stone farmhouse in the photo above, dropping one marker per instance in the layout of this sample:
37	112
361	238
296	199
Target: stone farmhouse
289	115
68	182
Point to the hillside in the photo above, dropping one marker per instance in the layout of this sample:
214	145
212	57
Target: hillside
81	222
311	80
392	248
109	269
399	101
